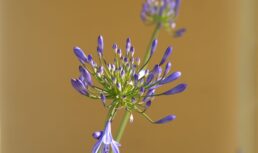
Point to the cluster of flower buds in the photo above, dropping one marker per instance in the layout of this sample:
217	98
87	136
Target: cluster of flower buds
163	13
125	82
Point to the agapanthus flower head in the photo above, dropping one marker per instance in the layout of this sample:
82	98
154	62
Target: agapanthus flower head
124	84
161	12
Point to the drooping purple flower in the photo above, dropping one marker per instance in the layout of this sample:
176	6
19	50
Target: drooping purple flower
79	86
171	78
179	88
166	55
80	54
166	119
105	141
85	73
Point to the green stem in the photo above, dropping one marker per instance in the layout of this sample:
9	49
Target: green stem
153	36
122	126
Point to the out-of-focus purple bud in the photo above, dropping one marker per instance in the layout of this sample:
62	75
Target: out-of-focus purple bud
85	73
103	98
166	55
142	90
178	3
97	134
166	119
179	88
132	50
136	78
100	44
137	60
149	78
157	69
171	77
153	46
79	86
125	59
148	104
119	87
119	52
114	46
122	73
128	44
90	59
150	92
167	68
180	32
133	100
101	70
80	54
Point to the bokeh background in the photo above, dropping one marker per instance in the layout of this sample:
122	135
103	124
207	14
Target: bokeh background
42	113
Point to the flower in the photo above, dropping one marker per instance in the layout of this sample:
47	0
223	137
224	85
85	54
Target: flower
163	13
126	82
105	140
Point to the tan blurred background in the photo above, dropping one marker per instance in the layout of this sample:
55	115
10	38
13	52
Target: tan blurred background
42	113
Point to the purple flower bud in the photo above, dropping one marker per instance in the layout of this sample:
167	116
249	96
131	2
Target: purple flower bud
101	70
114	46
132	50
136	78
171	78
149	78
133	100
90	59
166	119
100	44
178	3
103	98
122	73
79	86
125	59
119	52
128	44
157	69
118	85
86	75
167	69
179	32
80	54
166	55
153	46
148	104
137	61
142	90
179	88
97	134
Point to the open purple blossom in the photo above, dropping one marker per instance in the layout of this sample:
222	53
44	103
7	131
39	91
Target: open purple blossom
105	141
161	12
124	83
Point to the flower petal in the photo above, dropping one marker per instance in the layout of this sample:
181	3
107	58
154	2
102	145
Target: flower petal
166	119
179	88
